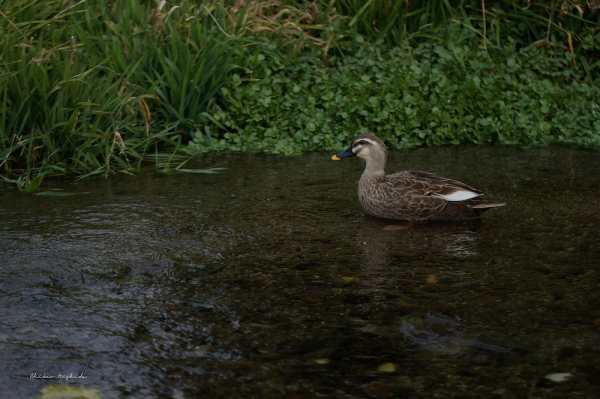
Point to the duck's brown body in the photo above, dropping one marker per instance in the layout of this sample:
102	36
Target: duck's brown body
411	195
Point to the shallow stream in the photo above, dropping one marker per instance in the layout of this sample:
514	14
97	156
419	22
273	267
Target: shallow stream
268	281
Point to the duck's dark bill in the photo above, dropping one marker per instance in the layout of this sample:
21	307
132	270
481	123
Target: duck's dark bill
344	154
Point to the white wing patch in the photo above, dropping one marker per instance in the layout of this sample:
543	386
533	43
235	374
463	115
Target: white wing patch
459	195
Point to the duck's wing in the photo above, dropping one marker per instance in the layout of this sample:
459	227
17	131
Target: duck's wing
416	195
421	195
402	197
432	185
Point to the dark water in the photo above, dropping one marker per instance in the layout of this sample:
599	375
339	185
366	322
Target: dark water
267	281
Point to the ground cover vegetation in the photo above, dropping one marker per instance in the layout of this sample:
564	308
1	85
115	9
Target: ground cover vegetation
96	86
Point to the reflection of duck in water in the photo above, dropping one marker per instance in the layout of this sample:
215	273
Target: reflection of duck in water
410	195
412	256
422	248
458	239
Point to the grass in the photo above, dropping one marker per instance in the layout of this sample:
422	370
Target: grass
95	86
398	22
92	87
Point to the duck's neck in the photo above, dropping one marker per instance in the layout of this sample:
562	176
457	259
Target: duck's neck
375	169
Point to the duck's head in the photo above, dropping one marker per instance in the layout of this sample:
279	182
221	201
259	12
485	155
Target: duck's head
366	146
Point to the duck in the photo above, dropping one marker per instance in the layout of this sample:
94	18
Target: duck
410	195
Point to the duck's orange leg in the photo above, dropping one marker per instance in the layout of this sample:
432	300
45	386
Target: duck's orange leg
403	226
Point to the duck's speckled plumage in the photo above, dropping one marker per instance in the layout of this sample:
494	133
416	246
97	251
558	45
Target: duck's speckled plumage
410	195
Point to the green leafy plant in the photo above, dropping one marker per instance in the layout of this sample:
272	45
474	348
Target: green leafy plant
437	95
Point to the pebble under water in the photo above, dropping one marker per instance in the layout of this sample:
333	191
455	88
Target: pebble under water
268	281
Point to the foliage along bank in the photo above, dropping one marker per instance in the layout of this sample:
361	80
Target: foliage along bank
430	95
98	86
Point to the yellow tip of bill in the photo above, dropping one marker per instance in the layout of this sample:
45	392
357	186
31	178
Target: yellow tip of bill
335	158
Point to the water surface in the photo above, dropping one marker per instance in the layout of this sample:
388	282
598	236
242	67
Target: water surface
268	281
